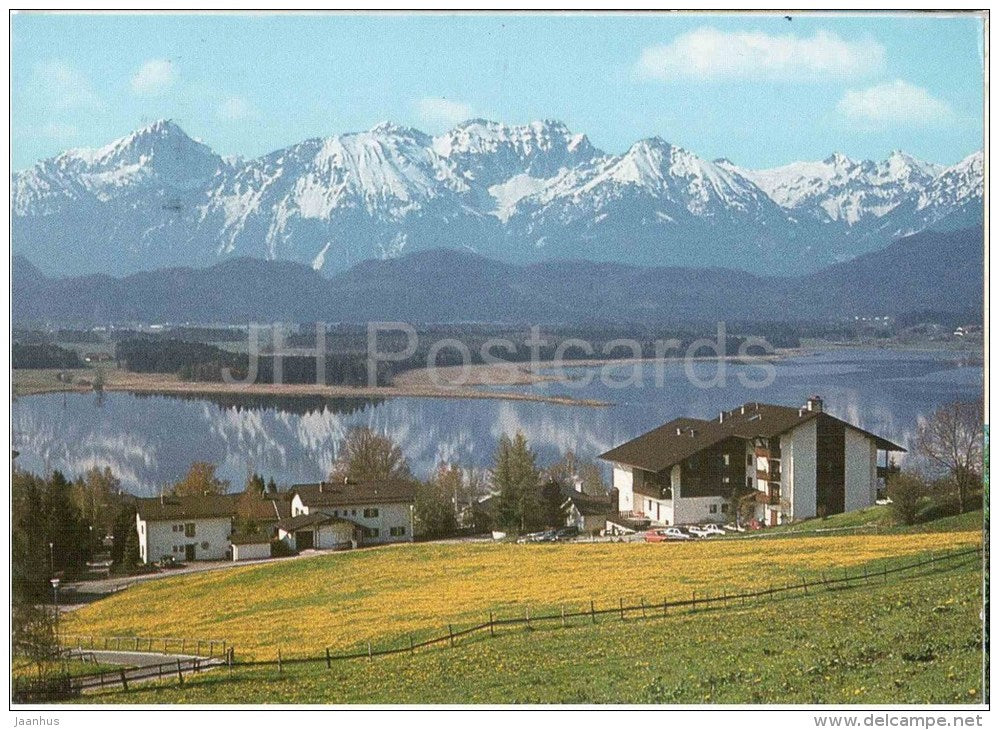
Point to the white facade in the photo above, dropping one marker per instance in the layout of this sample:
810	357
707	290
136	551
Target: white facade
678	510
198	538
381	523
251	551
861	474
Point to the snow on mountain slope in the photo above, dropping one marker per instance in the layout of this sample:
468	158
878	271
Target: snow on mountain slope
156	197
840	189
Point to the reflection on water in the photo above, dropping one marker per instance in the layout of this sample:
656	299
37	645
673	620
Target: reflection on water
149	441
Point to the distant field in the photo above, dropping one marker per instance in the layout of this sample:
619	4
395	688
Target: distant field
916	639
382	595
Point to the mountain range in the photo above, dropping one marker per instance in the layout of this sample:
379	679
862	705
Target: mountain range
932	270
518	194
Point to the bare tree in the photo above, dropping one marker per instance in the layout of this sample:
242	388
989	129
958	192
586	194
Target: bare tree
952	441
365	455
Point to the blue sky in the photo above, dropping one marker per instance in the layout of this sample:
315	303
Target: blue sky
759	90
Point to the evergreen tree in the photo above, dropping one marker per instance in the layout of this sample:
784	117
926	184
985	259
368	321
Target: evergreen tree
515	477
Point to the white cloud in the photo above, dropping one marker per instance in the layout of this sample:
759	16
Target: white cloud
63	86
897	102
234	108
711	54
438	110
154	77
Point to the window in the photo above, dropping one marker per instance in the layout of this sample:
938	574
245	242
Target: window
335	513
371	512
725	458
713	509
397	531
724	509
724	480
189	529
371	532
749	482
205	545
353	513
749	459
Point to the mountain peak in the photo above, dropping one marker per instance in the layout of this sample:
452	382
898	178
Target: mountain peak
838	159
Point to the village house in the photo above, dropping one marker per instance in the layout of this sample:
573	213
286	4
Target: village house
794	462
205	527
328	516
586	512
184	528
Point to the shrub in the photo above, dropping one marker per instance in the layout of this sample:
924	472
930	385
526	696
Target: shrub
280	549
906	491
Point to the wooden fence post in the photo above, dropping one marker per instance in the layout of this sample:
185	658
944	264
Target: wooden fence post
329	664
804	584
621	603
412	649
180	672
370	655
643	606
492	625
693	600
450	635
593	612
665	605
124	681
280	665
527	613
228	660
563	615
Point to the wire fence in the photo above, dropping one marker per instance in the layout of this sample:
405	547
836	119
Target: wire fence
724	599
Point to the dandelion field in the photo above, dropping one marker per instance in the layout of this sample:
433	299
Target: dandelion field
345	600
916	639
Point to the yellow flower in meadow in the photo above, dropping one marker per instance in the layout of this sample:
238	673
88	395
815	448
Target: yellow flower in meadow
390	595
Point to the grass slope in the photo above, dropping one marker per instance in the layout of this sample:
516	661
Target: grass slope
381	595
916	639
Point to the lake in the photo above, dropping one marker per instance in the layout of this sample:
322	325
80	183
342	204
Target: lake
150	441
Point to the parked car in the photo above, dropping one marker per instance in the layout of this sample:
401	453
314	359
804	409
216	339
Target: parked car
566	533
732	527
713	530
697	531
664	534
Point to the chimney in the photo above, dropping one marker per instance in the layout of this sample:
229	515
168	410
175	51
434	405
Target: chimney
321	487
814	404
692	432
679	431
721	416
742	409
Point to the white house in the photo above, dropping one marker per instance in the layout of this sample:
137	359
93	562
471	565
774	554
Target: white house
201	527
373	512
184	528
796	462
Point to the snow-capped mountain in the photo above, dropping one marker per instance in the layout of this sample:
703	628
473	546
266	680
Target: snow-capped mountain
520	193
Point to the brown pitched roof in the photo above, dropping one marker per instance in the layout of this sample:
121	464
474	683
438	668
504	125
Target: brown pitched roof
179	508
326	494
211	505
589	505
681	438
313	518
669	444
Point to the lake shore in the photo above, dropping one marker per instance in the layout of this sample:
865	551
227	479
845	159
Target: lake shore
36	382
